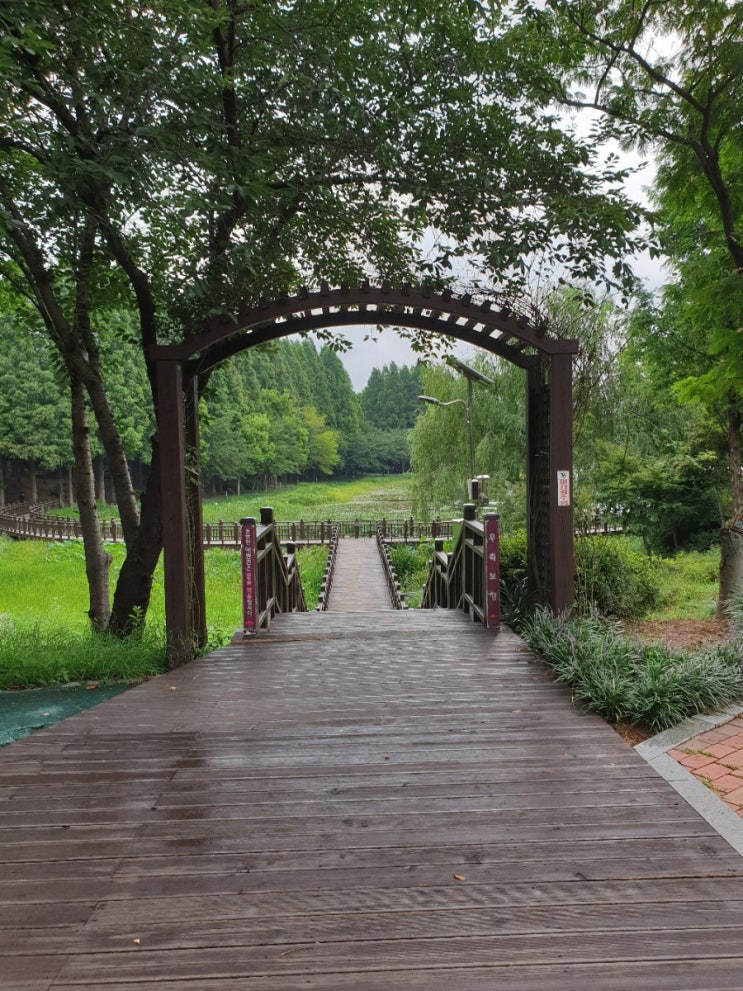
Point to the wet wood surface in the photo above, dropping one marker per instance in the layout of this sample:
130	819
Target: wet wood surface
356	802
359	584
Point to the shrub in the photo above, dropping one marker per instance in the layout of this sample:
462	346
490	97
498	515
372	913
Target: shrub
411	563
609	577
513	557
614	579
515	605
624	681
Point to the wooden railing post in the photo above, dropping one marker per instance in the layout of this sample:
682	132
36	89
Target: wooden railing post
249	576
492	571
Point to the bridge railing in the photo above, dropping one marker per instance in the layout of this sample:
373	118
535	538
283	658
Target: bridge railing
393	585
271	580
467	578
327	580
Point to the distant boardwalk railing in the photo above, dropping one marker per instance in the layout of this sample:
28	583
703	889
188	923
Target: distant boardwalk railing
34	522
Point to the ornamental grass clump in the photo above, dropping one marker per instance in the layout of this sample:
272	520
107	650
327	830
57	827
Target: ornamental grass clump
34	654
622	680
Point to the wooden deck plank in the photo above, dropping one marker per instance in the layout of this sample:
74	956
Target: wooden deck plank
684	975
372	806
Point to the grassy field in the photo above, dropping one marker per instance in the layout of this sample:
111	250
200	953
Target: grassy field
373	498
44	636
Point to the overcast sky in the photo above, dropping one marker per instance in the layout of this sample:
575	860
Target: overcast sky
389	346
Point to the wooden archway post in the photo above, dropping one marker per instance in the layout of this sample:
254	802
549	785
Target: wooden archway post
176	563
549	410
561	555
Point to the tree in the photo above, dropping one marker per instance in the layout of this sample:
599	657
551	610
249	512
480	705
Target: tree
322	444
669	77
33	402
288	434
216	152
390	399
235	440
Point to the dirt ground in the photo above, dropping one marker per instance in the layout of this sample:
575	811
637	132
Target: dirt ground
688	634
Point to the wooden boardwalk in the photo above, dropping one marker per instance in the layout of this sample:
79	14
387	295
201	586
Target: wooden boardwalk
356	802
359	584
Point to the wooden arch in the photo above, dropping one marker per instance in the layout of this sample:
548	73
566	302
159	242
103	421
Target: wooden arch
488	324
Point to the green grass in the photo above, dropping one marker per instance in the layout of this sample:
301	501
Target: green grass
689	586
34	654
44	634
374	497
312	563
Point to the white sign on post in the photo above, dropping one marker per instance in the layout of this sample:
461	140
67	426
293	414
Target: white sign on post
563	488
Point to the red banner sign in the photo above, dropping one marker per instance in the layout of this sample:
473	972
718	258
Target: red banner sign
492	571
250	597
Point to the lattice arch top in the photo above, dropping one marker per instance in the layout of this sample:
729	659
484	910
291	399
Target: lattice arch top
493	326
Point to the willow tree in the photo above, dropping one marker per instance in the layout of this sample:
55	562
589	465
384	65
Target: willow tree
216	151
667	78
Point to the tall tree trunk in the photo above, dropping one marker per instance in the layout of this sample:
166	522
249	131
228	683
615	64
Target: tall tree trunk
734	426
134	585
731	537
118	467
2	481
34	486
97	560
101	481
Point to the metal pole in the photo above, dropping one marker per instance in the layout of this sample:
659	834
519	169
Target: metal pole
470	438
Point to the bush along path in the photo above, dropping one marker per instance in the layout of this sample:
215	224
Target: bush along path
647	685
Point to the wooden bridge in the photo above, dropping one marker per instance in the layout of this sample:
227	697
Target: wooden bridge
371	799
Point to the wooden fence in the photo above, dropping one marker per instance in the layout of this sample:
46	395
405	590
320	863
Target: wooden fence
34	522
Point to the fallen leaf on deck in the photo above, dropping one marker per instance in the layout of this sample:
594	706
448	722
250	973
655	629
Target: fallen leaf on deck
459	877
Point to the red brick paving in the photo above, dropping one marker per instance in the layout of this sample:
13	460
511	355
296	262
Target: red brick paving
716	759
